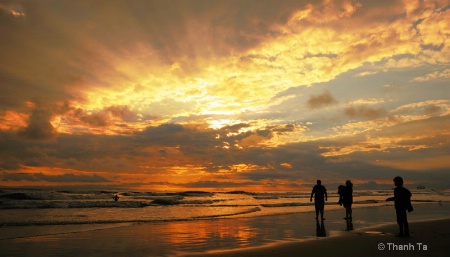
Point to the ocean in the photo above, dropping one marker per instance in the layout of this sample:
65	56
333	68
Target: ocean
28	207
176	223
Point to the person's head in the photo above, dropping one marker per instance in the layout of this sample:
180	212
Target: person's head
319	182
348	183
398	181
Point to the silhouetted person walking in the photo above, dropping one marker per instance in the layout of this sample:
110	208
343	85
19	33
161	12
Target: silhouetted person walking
320	196
402	199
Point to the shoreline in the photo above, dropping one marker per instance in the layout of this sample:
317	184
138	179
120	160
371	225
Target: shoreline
275	235
428	238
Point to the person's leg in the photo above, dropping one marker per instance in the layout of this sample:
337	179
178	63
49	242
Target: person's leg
317	210
347	211
402	222
399	222
406	225
322	207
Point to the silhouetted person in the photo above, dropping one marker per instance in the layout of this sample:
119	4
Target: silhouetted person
320	196
116	198
340	193
320	229
347	199
402	198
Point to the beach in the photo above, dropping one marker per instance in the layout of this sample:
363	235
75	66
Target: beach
291	234
429	238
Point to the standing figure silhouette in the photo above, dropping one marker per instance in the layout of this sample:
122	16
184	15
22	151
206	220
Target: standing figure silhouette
402	199
347	199
320	196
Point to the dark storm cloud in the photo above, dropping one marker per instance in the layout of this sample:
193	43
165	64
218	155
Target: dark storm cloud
309	165
201	139
175	134
201	147
116	153
407	148
308	162
82	152
111	154
39	126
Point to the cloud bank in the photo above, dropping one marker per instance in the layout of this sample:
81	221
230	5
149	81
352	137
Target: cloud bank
260	95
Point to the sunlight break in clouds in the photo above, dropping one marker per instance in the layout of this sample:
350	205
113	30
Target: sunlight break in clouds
222	94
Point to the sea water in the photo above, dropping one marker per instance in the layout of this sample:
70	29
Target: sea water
91	223
28	207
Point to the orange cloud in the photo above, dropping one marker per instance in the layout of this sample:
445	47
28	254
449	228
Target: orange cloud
12	120
222	95
417	164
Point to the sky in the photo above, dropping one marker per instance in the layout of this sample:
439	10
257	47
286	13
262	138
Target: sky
223	95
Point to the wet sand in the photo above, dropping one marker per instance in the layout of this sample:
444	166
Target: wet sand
428	238
296	234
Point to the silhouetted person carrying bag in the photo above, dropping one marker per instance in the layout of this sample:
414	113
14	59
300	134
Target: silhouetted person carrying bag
347	199
402	199
320	196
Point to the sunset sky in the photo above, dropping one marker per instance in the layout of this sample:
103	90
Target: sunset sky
224	94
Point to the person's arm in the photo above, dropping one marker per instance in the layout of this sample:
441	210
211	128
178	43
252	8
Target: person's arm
326	195
312	193
396	195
